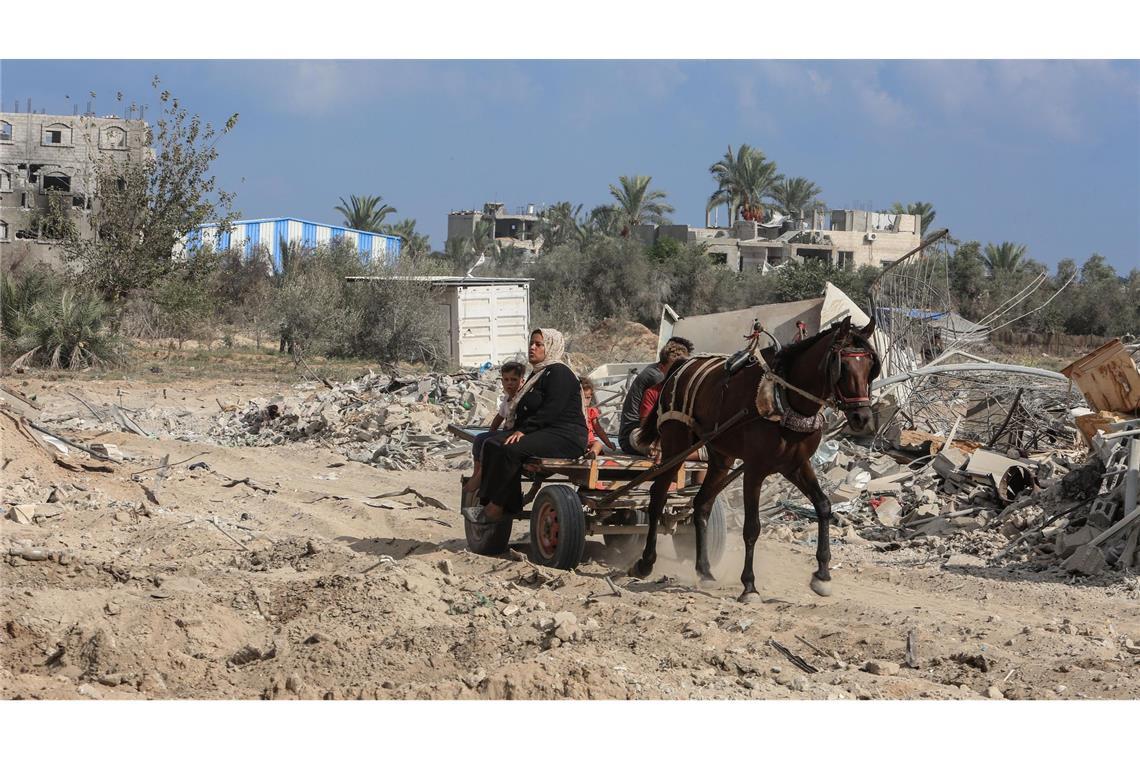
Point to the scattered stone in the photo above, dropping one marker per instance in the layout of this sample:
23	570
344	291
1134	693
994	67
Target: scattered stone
444	566
881	668
293	683
474	679
994	693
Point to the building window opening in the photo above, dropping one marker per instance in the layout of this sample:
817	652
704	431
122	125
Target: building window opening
5	130
846	259
78	201
3	230
58	182
53	137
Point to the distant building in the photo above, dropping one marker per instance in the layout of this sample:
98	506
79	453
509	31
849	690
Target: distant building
270	234
519	229
843	237
42	153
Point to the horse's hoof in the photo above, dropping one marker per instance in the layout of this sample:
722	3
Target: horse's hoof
637	572
706	581
748	597
823	588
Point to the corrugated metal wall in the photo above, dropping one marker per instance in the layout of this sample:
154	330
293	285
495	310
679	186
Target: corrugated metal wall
271	233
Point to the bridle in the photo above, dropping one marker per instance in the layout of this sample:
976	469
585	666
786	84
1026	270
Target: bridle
850	403
842	402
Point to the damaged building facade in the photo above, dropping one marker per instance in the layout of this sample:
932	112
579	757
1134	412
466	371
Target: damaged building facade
845	238
518	229
46	160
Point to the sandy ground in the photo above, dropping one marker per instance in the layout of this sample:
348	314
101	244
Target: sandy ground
289	586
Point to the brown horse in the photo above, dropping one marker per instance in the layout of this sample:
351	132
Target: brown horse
838	363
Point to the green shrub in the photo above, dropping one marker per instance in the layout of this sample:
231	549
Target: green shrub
68	329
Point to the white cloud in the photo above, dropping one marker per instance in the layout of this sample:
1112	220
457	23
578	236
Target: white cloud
1056	98
316	88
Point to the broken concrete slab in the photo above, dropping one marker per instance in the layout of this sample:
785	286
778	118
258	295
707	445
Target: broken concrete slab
1088	560
949	460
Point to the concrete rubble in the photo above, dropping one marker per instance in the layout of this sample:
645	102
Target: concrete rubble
391	421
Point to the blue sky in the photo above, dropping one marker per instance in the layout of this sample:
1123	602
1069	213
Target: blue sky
1045	153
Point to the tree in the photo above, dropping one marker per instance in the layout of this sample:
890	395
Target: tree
742	180
968	279
1004	257
559	225
604	221
637	204
53	221
143	208
366	212
414	244
66	328
920	209
794	194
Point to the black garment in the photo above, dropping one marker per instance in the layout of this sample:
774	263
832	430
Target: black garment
631	407
550	417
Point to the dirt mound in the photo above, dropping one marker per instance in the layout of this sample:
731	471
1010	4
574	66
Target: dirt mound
613	340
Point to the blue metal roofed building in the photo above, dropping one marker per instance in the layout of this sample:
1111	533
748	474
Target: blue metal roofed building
271	233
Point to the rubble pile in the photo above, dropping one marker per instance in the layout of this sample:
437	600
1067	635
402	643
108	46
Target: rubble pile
1072	508
394	422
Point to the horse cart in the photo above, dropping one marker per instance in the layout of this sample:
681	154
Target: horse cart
570	499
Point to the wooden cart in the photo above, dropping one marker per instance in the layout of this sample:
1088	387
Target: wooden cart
570	499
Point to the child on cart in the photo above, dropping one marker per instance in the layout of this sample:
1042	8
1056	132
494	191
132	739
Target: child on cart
596	434
511	378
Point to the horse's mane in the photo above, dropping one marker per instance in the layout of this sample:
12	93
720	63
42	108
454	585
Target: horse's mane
789	353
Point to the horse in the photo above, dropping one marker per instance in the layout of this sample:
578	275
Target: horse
703	394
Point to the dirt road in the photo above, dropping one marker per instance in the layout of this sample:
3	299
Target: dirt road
286	572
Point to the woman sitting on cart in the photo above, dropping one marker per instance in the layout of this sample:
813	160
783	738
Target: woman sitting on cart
548	422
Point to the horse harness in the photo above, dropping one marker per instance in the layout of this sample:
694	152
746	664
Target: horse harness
778	409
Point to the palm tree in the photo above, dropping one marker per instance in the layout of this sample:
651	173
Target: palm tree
559	224
365	213
637	204
1004	257
415	244
794	194
920	209
742	180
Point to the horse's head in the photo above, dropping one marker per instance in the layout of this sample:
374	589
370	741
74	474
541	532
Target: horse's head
852	365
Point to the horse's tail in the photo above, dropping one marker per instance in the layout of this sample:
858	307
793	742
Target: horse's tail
648	434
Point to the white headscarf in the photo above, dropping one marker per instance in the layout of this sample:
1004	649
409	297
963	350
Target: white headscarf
555	352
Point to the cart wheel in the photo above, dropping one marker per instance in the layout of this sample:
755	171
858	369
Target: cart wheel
484	539
626	543
557	527
716	536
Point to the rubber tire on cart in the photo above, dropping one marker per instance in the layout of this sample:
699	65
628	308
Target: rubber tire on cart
490	540
716	536
557	527
627	543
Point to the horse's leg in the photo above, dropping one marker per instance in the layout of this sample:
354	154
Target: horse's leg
717	476
657	495
753	482
805	480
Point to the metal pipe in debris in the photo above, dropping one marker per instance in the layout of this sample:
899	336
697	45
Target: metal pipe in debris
970	367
